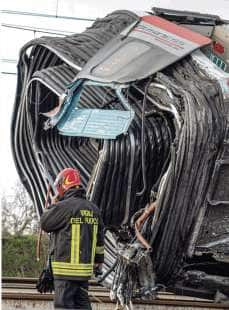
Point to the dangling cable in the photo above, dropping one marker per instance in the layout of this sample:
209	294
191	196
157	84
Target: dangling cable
143	140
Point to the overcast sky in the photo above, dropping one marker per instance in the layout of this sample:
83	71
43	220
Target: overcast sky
12	40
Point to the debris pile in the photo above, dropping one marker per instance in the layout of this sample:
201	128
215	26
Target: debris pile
174	139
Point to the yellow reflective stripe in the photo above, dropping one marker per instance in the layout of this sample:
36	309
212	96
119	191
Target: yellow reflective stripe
94	241
74	274
75	243
72	270
66	272
72	266
62	270
99	250
73	237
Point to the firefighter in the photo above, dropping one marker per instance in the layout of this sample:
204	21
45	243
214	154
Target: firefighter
77	245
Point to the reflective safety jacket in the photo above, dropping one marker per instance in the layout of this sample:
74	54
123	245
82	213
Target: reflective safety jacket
77	236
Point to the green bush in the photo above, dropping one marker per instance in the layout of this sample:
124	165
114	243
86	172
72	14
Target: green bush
19	256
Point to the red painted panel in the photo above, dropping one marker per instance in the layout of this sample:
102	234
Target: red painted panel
177	30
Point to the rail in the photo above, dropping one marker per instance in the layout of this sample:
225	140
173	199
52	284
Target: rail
24	289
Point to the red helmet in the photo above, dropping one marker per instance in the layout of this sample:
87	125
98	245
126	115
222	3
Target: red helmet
66	179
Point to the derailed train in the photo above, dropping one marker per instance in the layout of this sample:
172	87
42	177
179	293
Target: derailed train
135	103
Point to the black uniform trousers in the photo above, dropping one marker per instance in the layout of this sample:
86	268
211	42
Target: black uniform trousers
70	294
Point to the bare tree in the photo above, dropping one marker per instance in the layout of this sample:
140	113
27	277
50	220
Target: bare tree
18	213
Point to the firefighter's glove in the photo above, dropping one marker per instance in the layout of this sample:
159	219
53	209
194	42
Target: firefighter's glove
98	270
45	283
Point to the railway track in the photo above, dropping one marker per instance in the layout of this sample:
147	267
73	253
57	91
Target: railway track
23	289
